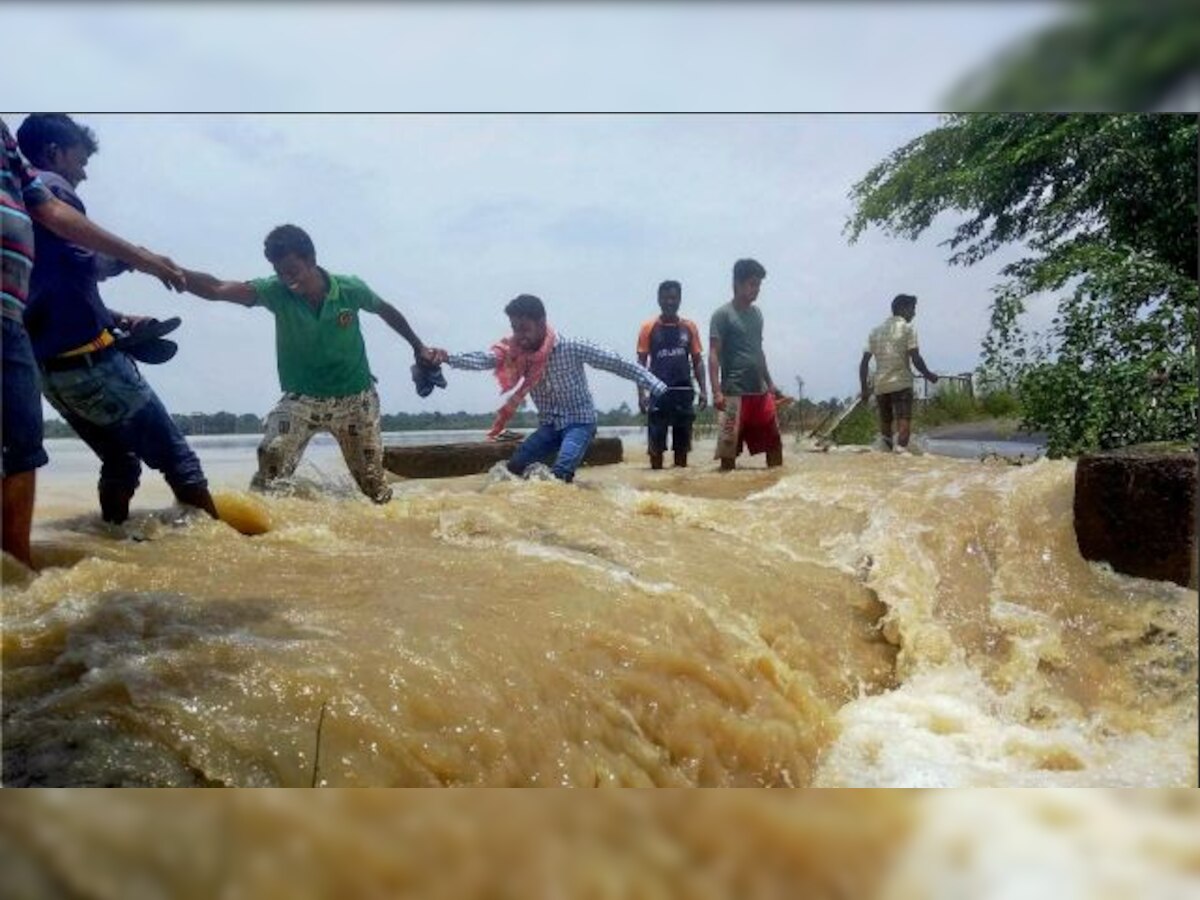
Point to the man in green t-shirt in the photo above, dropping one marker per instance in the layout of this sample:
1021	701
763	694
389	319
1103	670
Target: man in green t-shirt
743	392
323	370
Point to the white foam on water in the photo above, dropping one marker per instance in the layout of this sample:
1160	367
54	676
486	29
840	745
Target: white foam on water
590	561
1048	845
947	728
946	725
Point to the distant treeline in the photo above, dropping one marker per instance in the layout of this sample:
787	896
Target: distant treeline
798	417
248	423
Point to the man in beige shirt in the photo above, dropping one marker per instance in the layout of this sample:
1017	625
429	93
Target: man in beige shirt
893	343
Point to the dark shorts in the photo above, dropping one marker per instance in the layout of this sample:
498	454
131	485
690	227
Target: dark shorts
674	412
22	418
896	405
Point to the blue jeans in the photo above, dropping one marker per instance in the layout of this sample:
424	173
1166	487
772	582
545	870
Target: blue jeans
22	417
118	415
571	443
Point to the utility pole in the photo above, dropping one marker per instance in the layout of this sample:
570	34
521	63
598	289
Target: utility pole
799	406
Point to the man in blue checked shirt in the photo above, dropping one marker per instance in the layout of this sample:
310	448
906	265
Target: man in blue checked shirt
538	362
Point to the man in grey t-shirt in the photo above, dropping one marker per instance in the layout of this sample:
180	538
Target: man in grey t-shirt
743	392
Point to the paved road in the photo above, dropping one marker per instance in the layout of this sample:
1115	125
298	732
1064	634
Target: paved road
985	430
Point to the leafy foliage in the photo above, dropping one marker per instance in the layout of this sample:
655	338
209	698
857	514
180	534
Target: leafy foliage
1105	54
860	427
1106	208
956	406
1000	404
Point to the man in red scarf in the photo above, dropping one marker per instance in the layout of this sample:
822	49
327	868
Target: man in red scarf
537	362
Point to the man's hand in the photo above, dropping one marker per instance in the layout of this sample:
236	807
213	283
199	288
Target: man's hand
719	401
129	323
434	356
161	267
933	377
643	403
702	402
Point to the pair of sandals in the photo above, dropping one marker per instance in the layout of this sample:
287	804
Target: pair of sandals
426	377
144	340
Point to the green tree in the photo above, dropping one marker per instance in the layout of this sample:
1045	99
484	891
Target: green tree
1102	55
1105	207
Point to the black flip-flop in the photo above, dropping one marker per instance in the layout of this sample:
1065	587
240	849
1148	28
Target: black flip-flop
145	343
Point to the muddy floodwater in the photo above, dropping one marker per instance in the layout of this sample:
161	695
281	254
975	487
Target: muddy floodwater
851	619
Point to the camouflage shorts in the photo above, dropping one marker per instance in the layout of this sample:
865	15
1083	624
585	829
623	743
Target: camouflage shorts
353	420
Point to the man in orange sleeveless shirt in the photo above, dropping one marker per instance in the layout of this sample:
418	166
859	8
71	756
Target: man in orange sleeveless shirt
672	348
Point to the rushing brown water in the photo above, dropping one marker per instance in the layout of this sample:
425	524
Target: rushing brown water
851	619
496	845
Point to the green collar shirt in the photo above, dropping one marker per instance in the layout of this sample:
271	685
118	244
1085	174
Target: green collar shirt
320	352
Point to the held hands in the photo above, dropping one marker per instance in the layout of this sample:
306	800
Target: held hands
163	268
433	356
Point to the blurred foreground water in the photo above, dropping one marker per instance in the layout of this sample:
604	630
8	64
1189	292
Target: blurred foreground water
866	845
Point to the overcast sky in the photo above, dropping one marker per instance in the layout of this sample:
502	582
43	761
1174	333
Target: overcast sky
449	216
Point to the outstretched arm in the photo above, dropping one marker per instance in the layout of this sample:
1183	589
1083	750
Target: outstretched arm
915	356
70	224
212	288
606	360
399	324
476	361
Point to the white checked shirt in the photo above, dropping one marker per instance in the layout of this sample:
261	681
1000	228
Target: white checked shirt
562	396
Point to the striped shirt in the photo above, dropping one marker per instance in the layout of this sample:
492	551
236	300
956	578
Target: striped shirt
562	396
20	189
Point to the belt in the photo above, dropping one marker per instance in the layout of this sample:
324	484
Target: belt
78	361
